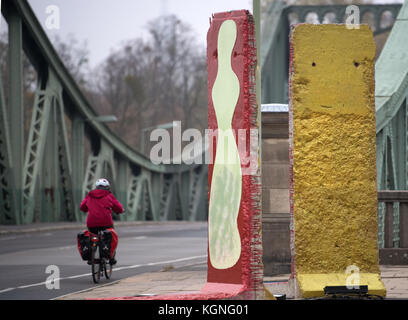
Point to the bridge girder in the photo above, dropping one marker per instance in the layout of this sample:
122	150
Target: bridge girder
48	180
391	103
275	45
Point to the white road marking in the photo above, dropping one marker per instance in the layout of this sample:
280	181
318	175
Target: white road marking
8	238
160	262
65	248
115	269
33	285
137	238
48	234
129	267
78	276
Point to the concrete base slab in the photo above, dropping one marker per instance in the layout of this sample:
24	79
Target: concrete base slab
312	285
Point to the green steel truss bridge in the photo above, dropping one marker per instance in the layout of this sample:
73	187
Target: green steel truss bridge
275	33
391	77
46	180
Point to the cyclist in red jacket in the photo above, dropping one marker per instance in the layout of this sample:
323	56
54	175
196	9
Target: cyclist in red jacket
99	204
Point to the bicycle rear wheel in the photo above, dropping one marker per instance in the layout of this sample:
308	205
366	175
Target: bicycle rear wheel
107	268
95	266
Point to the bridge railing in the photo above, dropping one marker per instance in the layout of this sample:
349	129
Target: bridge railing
396	206
382	15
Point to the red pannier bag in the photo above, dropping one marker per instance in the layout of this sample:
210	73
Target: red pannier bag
109	243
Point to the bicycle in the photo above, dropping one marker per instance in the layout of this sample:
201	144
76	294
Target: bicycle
100	264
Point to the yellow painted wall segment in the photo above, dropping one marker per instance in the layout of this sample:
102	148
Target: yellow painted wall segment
334	157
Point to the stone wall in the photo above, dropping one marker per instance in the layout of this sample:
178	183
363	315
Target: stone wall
275	193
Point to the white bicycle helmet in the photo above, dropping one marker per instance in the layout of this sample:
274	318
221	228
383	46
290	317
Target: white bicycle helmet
102	183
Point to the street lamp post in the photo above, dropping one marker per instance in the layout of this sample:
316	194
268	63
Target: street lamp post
103	119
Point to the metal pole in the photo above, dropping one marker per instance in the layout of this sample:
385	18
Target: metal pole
77	147
122	183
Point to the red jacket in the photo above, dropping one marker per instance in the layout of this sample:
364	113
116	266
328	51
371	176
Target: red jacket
99	204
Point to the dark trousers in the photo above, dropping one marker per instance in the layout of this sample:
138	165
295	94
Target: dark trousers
95	230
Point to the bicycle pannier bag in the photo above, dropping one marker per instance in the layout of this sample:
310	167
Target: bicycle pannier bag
84	245
106	243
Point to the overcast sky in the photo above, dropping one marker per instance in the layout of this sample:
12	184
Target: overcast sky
104	24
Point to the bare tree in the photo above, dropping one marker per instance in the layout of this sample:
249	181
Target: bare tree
75	56
161	79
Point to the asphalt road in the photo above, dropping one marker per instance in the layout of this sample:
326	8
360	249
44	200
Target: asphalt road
24	258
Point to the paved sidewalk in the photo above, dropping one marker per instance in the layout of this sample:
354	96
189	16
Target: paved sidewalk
184	280
395	279
187	281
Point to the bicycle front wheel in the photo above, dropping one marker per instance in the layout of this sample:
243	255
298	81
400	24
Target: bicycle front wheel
95	266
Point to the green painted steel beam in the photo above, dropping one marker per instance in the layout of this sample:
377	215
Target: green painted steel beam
274	54
68	204
270	28
48	174
16	105
391	94
77	147
390	99
156	179
49	54
42	119
132	198
7	191
122	182
275	50
391	75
